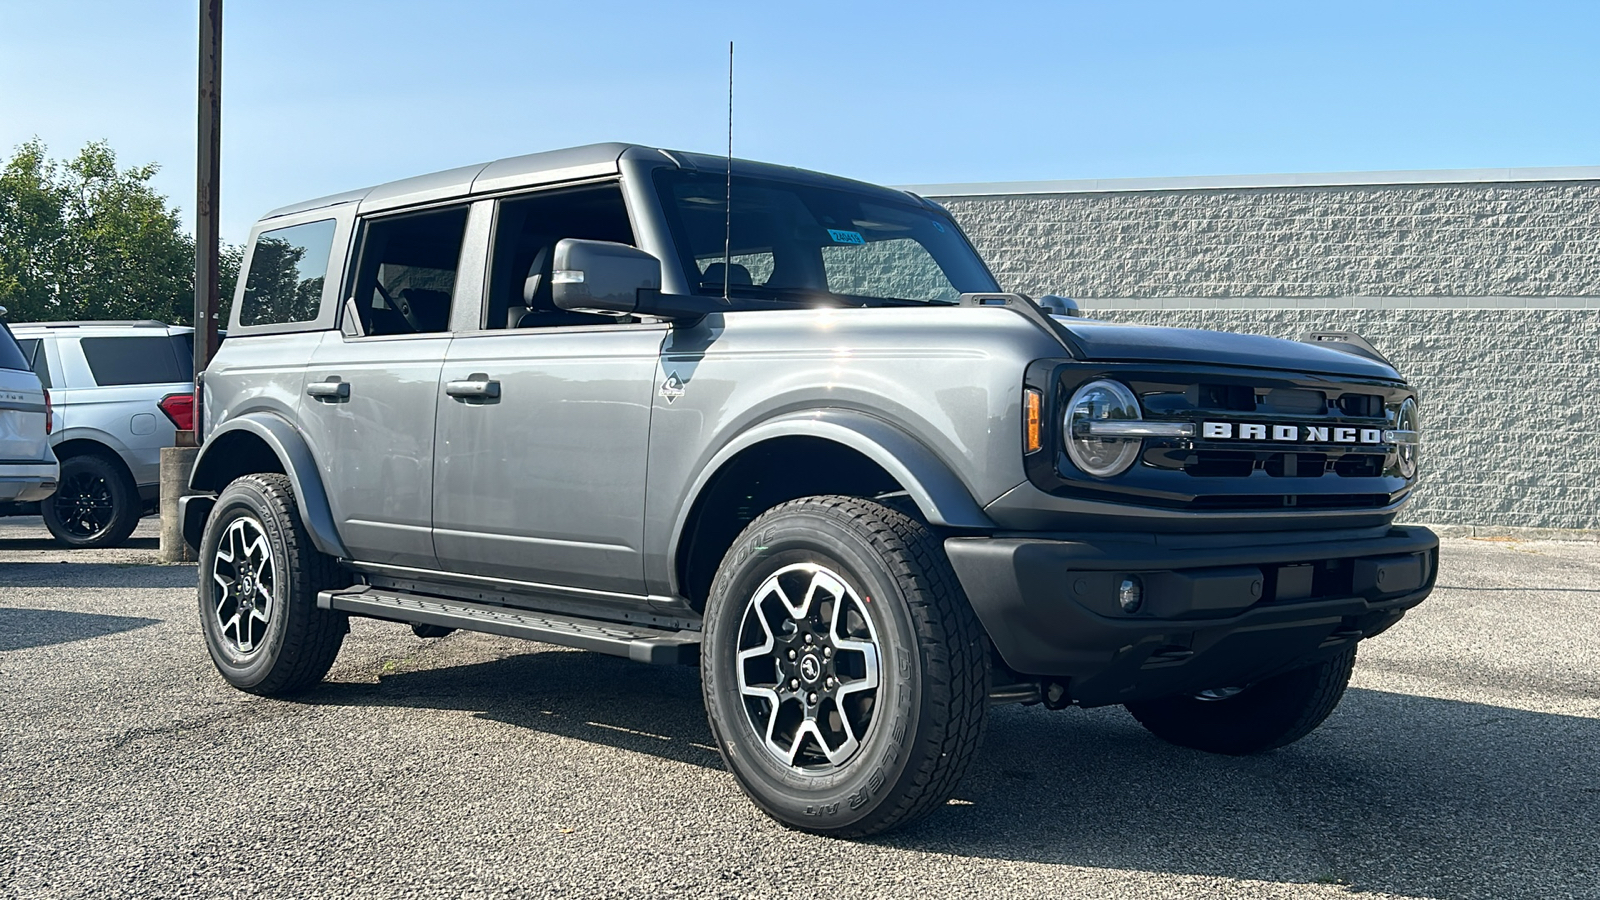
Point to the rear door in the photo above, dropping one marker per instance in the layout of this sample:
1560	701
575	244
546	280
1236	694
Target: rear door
371	392
24	443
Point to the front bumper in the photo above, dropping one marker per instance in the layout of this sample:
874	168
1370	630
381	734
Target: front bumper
1217	611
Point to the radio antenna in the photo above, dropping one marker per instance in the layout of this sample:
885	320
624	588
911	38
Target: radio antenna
727	222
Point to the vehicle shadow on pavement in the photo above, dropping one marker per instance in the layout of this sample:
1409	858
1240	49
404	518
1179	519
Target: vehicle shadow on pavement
1396	793
23	629
585	696
94	575
48	543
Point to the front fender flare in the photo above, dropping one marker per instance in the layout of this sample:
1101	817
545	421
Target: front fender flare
285	442
941	497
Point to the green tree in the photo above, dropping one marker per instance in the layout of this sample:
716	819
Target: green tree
83	239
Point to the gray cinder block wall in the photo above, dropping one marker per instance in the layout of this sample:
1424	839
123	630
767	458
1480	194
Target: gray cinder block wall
1482	286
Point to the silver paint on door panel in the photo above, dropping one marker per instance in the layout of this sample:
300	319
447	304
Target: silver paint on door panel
546	482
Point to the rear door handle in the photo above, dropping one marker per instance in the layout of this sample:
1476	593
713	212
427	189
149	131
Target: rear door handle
331	389
476	386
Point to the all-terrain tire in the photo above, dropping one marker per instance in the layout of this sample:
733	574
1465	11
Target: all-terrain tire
291	646
1264	716
928	712
96	503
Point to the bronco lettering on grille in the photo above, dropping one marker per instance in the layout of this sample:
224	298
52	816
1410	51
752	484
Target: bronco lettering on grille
1320	434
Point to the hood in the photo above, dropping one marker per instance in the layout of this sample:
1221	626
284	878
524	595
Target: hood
1108	342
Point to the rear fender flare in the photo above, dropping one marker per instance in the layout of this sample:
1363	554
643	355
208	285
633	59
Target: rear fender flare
285	442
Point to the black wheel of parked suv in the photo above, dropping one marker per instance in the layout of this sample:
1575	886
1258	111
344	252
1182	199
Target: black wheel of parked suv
1262	716
259	578
96	503
845	675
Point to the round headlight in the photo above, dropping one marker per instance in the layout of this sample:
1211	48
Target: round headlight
1101	401
1408	423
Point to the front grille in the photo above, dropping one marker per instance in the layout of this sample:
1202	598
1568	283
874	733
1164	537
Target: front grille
1270	405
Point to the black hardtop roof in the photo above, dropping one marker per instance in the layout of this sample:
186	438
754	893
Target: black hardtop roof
554	166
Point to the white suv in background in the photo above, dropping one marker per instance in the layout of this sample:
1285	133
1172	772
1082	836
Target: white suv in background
28	470
119	392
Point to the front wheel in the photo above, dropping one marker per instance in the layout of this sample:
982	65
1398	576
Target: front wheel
1263	716
259	579
845	675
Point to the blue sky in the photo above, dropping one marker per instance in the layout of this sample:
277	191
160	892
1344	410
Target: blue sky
325	96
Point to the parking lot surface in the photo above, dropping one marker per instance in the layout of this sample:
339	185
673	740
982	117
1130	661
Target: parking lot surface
1464	762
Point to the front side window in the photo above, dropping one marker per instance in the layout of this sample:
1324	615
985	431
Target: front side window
287	270
792	241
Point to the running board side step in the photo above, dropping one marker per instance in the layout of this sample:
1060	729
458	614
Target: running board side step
636	642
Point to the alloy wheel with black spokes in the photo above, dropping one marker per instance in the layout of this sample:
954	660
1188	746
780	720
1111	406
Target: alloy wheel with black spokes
808	667
95	504
243	571
845	675
259	579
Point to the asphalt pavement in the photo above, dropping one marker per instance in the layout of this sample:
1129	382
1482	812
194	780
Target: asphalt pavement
1464	762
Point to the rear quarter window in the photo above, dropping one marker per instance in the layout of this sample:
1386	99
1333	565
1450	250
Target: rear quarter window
287	270
132	360
10	354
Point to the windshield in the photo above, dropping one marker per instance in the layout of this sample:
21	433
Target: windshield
798	242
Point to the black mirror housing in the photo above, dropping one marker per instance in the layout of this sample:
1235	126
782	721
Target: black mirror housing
617	280
602	277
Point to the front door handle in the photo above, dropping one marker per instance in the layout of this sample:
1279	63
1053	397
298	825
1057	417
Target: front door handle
332	389
476	386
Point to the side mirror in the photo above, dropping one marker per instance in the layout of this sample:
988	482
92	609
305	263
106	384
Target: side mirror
613	279
602	277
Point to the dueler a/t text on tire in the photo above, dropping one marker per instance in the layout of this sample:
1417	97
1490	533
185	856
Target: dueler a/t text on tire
845	675
259	578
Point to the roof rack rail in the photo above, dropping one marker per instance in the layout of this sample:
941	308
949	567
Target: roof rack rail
143	323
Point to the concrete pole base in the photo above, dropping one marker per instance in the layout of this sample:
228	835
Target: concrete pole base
176	463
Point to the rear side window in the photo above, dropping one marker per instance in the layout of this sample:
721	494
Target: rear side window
33	351
10	355
287	269
132	360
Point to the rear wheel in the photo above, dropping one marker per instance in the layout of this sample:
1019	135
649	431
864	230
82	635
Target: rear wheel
96	503
845	675
1262	716
259	579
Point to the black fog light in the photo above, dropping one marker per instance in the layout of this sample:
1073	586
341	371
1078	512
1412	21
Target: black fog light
1130	594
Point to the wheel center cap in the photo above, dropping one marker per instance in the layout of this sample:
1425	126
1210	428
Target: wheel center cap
810	668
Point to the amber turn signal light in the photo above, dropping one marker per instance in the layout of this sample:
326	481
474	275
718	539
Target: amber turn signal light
1032	437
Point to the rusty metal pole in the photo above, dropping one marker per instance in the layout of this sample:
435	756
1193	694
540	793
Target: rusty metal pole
177	461
207	236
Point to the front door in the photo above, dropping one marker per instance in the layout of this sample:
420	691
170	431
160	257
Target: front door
544	417
540	456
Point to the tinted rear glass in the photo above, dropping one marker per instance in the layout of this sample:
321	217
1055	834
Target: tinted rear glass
133	360
33	352
10	355
287	268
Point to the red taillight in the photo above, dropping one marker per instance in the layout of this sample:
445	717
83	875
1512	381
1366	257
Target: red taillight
180	409
49	414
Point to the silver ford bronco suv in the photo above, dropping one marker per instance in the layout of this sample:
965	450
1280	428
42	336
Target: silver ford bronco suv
786	427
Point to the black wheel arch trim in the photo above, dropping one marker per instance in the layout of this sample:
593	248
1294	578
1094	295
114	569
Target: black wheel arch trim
931	484
294	455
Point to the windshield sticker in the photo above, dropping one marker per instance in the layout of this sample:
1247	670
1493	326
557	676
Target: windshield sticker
840	236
